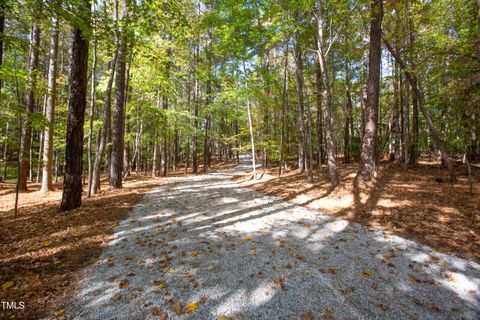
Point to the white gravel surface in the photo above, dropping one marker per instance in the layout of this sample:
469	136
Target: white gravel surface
233	253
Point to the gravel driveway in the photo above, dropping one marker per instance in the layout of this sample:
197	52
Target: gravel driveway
203	247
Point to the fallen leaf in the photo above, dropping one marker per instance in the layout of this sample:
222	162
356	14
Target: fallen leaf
45	244
113	278
123	284
7	285
280	282
156	312
59	312
177	308
224	318
247	239
367	272
308	316
327	314
332	271
192	307
194	254
159	283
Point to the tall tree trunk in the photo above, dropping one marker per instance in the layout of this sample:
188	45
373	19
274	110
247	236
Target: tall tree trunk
5	154
176	139
90	127
368	168
26	138
106	130
2	32
206	141
421	105
50	110
478	30
284	111
319	97
195	113
415	129
405	122
164	154
348	132
250	123
304	161
77	101
118	128
327	101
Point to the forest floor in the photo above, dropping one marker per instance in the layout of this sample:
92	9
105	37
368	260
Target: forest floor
43	249
417	203
205	247
198	229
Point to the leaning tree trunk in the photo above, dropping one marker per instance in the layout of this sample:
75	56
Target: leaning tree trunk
26	137
368	167
118	128
50	111
77	101
327	102
421	105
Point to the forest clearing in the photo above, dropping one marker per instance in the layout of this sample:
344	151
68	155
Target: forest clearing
239	159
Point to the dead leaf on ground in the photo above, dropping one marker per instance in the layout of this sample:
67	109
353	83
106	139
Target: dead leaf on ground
308	316
280	282
332	271
192	307
177	308
367	272
113	278
123	284
7	285
159	283
58	313
156	312
327	314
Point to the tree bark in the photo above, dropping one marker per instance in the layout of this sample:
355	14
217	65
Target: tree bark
348	132
90	127
2	32
319	97
77	101
368	168
421	105
50	110
304	159
327	101
25	144
284	111
106	130
118	128
195	113
250	123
